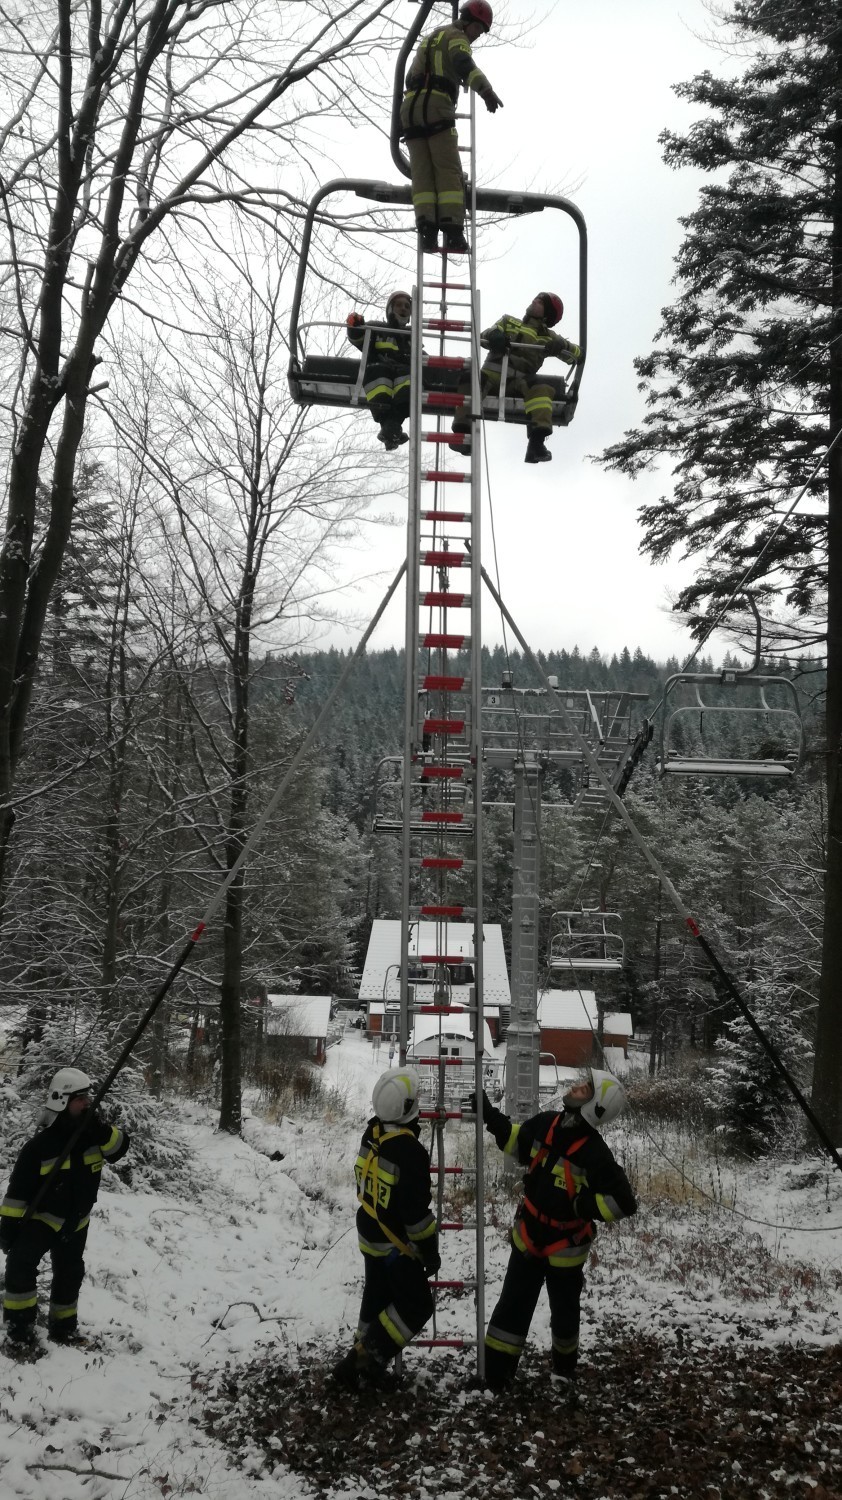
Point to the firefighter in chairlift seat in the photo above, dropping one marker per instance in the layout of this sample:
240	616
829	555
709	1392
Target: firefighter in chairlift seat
396	1229
533	329
572	1183
443	64
60	1221
386	375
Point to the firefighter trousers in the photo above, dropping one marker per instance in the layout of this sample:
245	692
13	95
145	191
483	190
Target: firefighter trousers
537	399
396	1303
438	187
506	1334
387	392
20	1298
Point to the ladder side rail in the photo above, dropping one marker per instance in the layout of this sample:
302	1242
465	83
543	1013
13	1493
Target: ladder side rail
411	634
476	736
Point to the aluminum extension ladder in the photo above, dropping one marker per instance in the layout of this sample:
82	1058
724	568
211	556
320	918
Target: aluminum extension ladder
442	759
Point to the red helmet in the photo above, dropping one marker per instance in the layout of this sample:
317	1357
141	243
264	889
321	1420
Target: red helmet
477	10
553	308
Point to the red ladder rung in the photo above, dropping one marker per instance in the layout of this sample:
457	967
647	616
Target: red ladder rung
443	599
450	642
465	1225
446	362
442	817
444	684
442	862
450	286
453	438
448	1171
451	1285
443	559
445	398
442	911
442	1343
443	1114
446	515
443	726
442	773
442	1062
442	325
444	476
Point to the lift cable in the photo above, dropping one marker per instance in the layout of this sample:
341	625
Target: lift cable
219	895
671	892
685	1177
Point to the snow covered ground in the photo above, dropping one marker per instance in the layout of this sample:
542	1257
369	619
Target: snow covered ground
263	1261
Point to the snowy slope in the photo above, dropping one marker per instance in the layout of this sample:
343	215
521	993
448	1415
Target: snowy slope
264	1259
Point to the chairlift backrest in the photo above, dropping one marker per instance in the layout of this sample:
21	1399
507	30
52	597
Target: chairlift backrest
586	939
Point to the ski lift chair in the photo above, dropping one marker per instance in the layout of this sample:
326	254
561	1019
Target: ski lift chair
587	939
319	379
780	721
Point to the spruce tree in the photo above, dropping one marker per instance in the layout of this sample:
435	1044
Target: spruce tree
744	386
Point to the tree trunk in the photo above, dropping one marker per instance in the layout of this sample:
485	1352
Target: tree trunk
827	1073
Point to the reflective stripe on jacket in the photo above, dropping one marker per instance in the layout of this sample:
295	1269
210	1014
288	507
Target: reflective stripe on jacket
533	331
572	1182
444	61
394	1191
71	1195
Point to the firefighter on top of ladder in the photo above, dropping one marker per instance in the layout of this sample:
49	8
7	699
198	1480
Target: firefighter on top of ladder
533	329
396	1229
386	375
572	1182
441	65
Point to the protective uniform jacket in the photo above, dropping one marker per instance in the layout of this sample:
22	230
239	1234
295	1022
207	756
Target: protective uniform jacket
444	61
534	331
66	1206
571	1182
392	345
394	1192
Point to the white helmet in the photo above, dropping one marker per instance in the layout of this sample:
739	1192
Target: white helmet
395	1096
608	1101
65	1083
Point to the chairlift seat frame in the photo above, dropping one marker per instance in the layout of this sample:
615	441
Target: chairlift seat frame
584	929
673	763
319	379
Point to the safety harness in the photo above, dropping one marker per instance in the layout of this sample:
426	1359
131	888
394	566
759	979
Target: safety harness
545	1159
372	1162
431	81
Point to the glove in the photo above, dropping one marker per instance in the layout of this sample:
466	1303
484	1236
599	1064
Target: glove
487	1106
354	320
492	101
574	353
431	1260
497	341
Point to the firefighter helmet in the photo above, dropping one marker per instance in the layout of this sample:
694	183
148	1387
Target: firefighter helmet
65	1083
394	297
553	308
395	1096
607	1101
477	10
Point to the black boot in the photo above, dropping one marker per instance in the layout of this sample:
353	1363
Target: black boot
392	435
454	240
536	450
428	234
465	446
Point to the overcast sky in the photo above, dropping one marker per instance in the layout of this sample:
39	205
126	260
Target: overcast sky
585	99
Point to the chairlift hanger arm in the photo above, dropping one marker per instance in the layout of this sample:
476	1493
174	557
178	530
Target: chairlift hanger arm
424	8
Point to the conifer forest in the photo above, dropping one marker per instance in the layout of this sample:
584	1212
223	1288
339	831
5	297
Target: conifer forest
195	777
